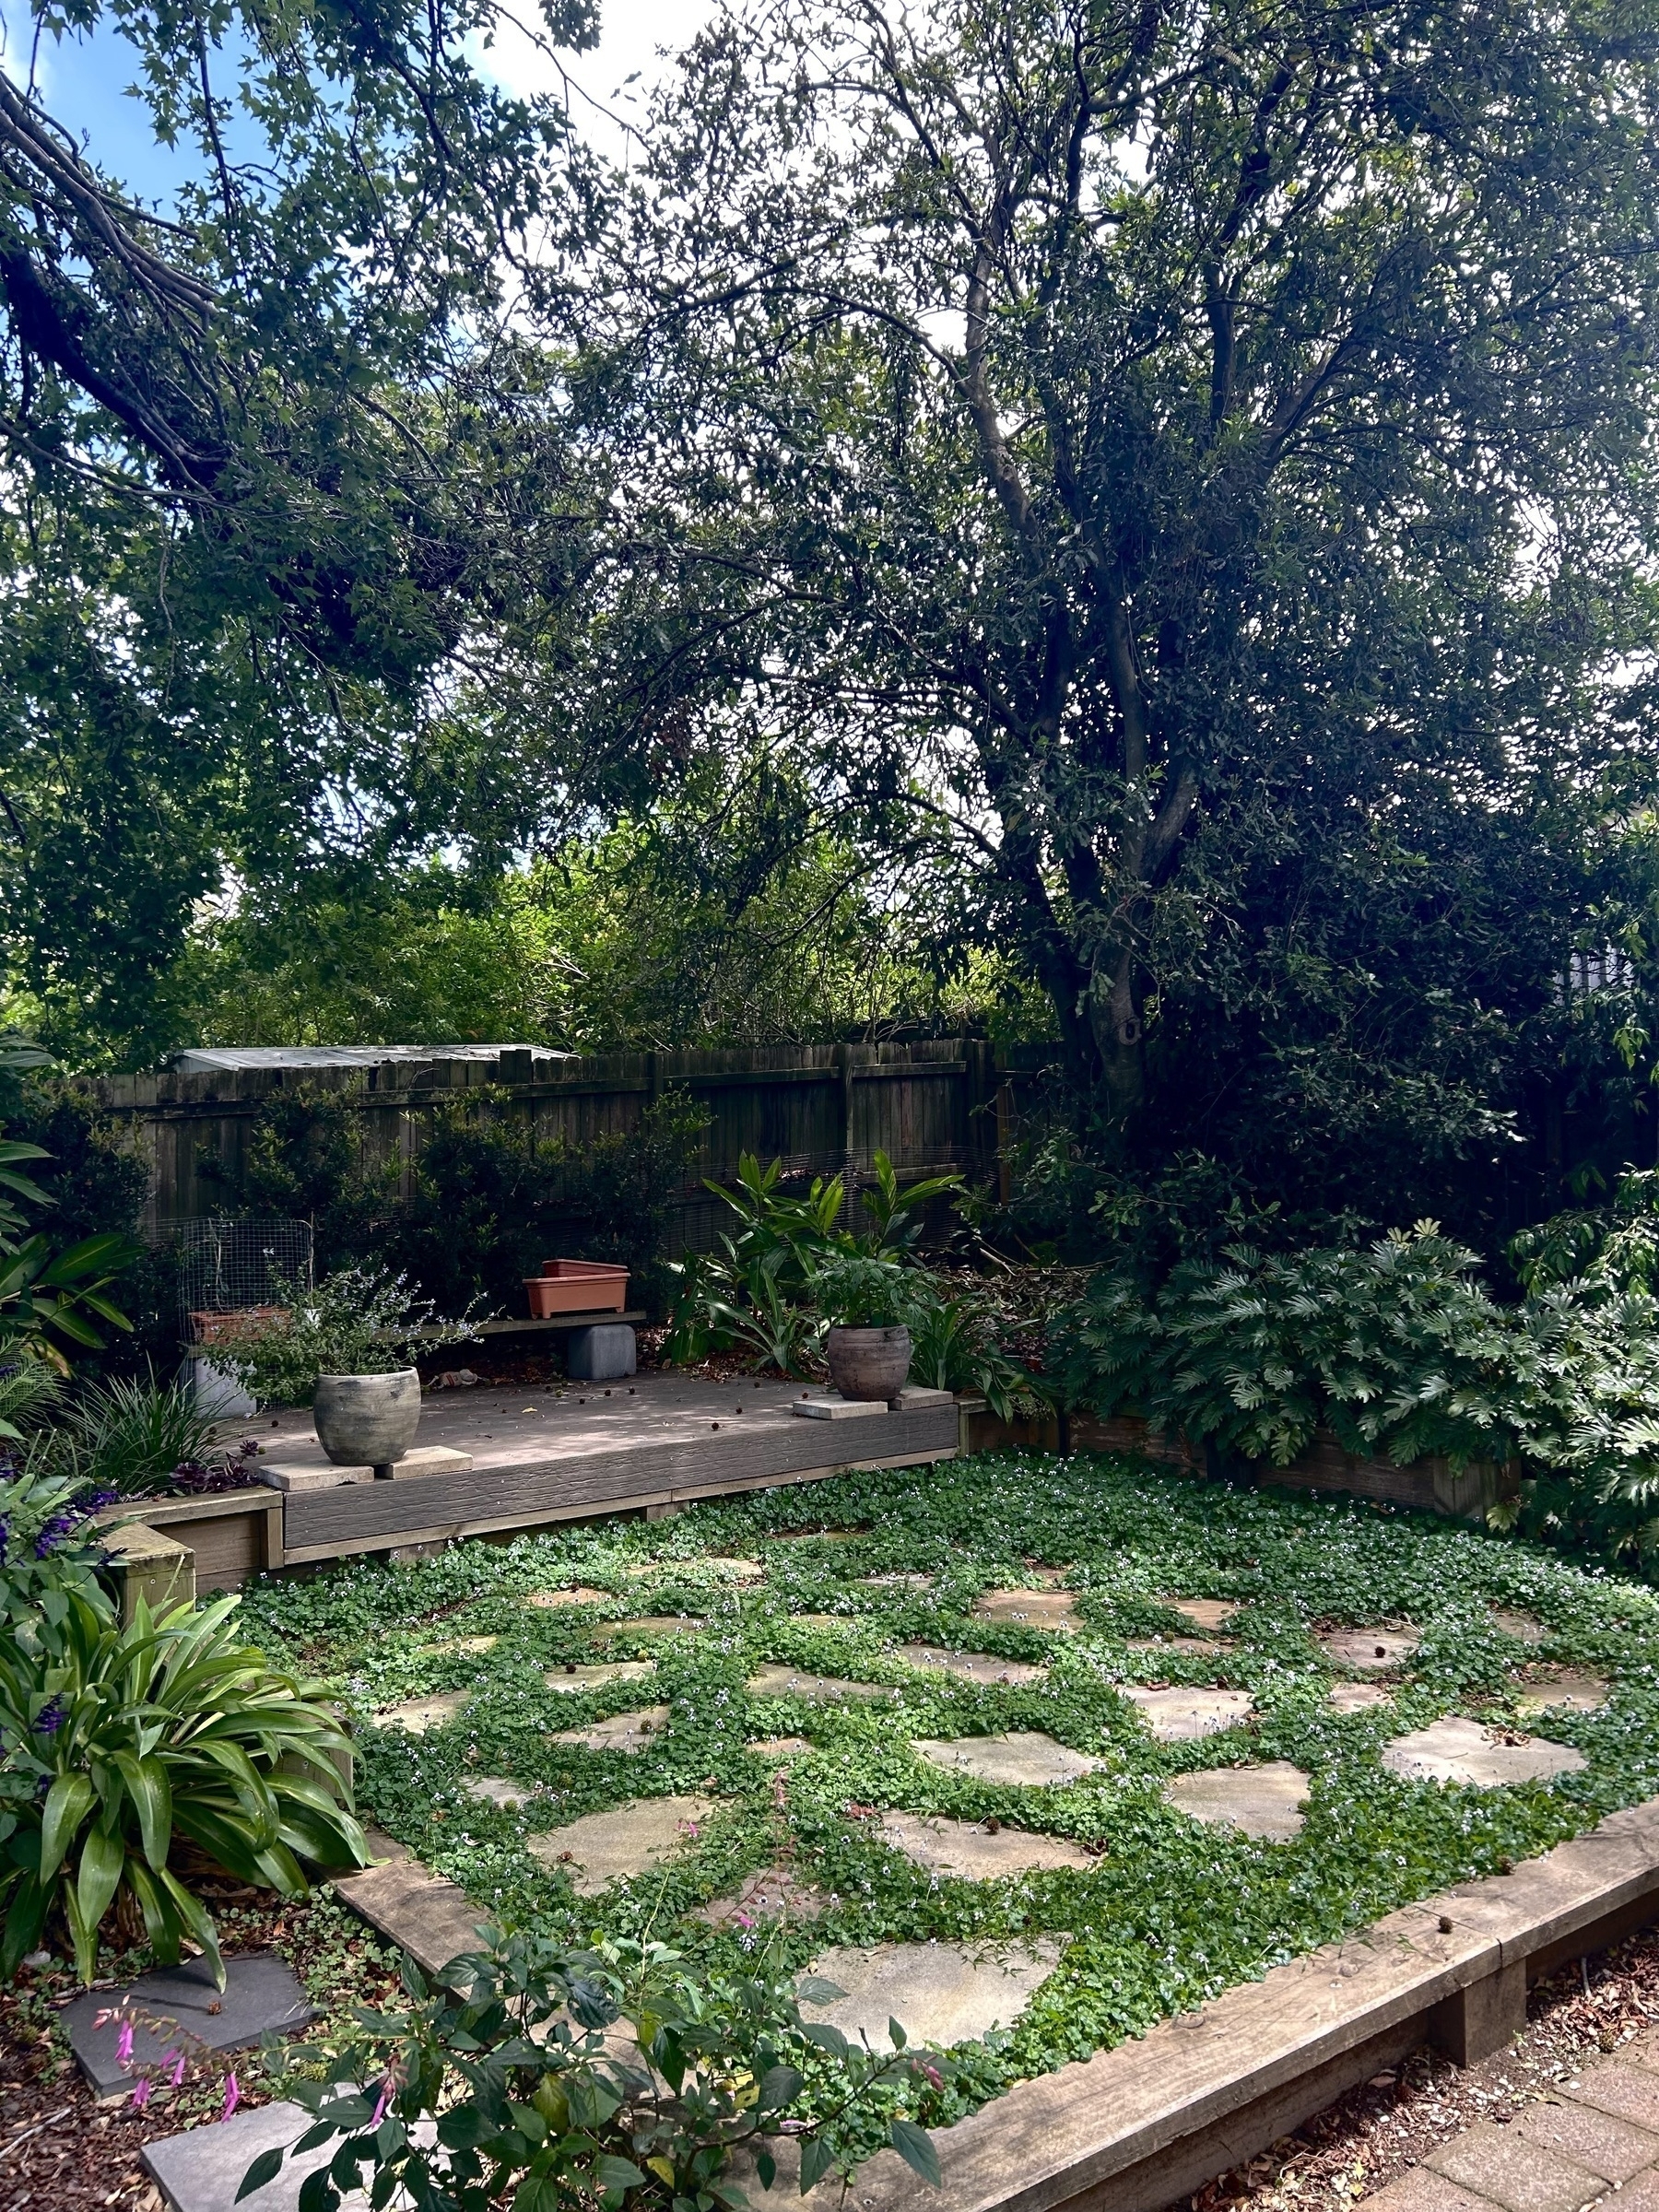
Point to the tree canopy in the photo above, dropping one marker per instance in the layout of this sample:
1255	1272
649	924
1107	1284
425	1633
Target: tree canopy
1198	457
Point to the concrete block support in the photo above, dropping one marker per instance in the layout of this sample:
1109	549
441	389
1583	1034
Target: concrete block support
601	1354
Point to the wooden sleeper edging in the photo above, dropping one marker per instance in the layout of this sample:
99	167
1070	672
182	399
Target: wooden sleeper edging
1132	2129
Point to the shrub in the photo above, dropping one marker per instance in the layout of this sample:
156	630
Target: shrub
121	1744
541	2099
128	1435
790	1272
359	1321
1402	1351
49	1547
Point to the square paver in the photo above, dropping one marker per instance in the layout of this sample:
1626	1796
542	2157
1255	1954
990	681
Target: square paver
631	1840
1458	1749
417	1716
1419	2189
1496	2162
972	1666
979	1850
201	2171
1028	1608
260	1995
1628	2092
1595	2141
819	1689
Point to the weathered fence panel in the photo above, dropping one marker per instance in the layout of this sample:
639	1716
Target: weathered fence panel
945	1103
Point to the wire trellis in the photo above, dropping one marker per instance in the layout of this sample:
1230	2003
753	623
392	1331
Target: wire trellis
228	1265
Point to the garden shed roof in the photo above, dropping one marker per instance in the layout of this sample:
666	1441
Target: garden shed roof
202	1060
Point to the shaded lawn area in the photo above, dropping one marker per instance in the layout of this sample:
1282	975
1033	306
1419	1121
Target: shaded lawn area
833	1580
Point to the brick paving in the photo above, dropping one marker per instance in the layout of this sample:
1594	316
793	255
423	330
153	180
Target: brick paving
1596	2134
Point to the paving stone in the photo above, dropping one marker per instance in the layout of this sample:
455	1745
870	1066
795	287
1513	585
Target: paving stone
1521	2176
1461	1750
1177	1716
463	1643
733	1570
1025	1758
1641	2195
1526	1628
201	2171
1207	1613
939	1992
970	1849
1371	1648
822	1620
1263	1801
896	1581
418	1716
433	1920
573	1677
653	1624
774	1893
261	1994
1359	1697
1420	2190
621	1732
973	1667
778	1747
549	1601
630	1840
497	1790
1610	2148
1028	1608
1570	1688
1628	2092
819	1689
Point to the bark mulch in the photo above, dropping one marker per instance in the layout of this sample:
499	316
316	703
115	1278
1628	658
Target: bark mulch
1396	2119
61	2150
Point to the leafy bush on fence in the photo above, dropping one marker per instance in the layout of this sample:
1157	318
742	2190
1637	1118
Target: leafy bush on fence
1402	1352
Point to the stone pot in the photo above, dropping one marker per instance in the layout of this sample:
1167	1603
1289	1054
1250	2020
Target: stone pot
367	1419
869	1363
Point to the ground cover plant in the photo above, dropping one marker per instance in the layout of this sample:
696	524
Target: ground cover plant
1142	1909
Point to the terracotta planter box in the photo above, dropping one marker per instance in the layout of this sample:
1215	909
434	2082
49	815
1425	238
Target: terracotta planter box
576	1287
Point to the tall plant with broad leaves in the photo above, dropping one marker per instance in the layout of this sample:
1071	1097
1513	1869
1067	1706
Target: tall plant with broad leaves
618	2077
132	1752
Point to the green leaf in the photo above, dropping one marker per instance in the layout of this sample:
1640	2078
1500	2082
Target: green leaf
618	2173
101	1862
914	2146
265	2167
69	1800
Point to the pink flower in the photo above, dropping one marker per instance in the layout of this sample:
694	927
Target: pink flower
232	2096
388	2088
123	2044
141	2092
176	2073
102	2019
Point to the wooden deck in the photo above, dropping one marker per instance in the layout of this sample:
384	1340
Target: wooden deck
539	1458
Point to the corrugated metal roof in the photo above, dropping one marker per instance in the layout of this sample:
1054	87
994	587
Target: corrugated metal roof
202	1060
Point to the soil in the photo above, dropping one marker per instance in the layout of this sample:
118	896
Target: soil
1394	2120
60	2147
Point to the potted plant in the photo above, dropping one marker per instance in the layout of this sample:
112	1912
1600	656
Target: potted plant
345	1349
867	1304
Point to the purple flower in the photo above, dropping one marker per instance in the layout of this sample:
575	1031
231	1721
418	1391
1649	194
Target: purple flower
232	2096
123	2044
53	1534
141	2089
51	1718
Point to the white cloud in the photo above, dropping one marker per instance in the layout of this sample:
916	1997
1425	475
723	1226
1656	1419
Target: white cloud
637	40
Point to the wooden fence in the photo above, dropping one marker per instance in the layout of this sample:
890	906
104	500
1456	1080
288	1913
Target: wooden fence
822	1108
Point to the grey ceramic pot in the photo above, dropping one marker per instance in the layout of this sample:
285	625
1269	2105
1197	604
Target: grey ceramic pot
367	1419
869	1363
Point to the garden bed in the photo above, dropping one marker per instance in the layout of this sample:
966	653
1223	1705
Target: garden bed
813	1677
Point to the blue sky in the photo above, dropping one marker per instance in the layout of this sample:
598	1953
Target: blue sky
85	81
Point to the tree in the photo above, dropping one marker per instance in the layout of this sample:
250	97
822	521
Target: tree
1195	454
271	455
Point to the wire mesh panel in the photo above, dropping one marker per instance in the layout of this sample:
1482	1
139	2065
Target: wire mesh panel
231	1267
